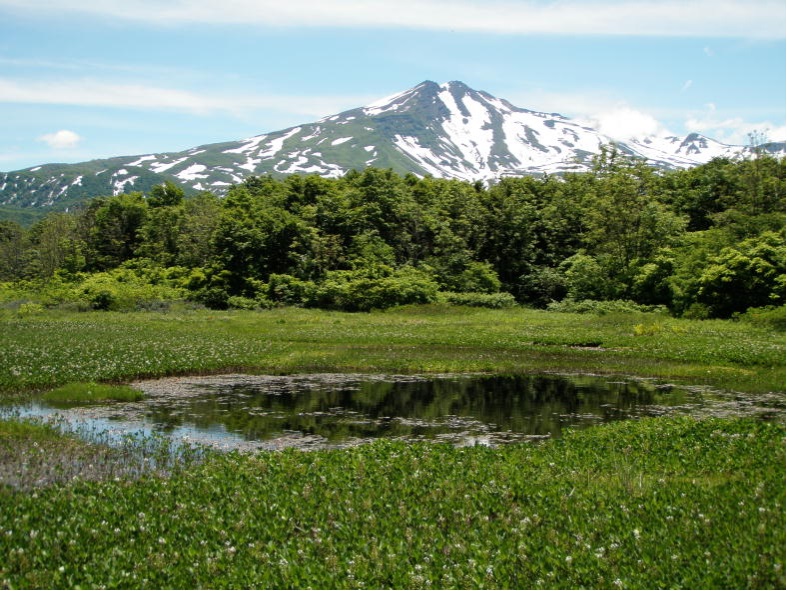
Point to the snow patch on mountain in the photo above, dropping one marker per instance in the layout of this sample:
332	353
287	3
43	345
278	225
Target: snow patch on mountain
249	145
141	160
165	166
388	103
193	172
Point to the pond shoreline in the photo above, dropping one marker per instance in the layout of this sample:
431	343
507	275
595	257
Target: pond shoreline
335	410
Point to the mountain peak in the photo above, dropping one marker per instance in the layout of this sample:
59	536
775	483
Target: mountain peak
446	130
456	85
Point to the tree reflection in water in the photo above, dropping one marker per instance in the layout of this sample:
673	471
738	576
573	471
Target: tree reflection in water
454	408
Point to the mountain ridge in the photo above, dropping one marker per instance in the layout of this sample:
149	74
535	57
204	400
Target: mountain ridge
446	130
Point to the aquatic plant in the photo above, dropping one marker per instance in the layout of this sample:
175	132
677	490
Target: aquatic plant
657	503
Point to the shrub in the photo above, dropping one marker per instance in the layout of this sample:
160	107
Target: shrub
772	317
351	291
29	309
541	286
288	290
242	303
216	298
601	307
477	300
123	290
478	277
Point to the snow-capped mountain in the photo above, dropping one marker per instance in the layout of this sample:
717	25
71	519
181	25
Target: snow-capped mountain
444	130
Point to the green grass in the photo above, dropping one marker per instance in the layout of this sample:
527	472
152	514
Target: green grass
92	392
657	503
52	348
17	431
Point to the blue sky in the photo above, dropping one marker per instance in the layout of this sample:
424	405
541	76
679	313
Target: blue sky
83	79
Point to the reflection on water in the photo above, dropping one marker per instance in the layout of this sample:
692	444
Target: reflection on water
327	410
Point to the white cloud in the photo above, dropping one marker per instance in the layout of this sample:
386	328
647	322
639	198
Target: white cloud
598	109
624	123
716	18
63	139
735	130
732	130
94	93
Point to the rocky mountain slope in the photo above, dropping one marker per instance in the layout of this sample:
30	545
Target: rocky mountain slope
444	130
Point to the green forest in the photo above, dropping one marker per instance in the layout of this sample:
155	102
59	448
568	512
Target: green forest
707	242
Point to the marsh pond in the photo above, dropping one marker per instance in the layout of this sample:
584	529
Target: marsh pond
334	410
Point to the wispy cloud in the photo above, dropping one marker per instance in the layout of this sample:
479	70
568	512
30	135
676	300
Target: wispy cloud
96	93
706	18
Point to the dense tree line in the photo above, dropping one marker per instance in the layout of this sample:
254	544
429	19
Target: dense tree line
704	242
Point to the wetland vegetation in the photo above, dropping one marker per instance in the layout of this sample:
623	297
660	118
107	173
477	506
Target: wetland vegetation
623	274
656	502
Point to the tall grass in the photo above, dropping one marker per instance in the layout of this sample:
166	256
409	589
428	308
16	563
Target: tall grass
35	454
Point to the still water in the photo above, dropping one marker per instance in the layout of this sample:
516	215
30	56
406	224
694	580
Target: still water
335	410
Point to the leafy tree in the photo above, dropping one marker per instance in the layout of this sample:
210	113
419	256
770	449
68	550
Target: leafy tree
510	218
160	232
113	229
14	244
380	201
165	195
749	275
701	192
627	224
195	247
254	239
55	245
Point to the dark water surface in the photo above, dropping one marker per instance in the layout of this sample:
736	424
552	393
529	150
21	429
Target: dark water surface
333	410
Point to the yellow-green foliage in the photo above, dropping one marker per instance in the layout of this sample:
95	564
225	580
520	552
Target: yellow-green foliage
29	309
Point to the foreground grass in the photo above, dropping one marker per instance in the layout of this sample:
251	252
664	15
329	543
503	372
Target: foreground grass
658	503
53	348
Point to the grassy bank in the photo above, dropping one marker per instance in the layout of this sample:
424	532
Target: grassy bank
657	503
52	348
91	392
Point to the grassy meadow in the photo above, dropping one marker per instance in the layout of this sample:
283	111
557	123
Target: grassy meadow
52	348
653	503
